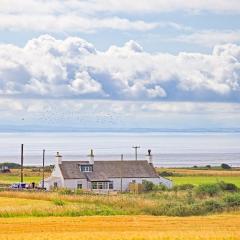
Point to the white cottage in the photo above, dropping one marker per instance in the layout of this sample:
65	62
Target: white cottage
103	175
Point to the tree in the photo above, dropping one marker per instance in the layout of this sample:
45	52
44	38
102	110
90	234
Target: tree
225	166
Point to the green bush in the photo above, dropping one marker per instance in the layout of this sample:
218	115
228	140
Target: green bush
208	189
147	186
228	186
212	206
232	200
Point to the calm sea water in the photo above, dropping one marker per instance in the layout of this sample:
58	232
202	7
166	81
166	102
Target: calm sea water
168	149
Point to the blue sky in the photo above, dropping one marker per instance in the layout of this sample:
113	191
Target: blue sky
70	65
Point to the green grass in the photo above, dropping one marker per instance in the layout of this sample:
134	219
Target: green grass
197	180
8	179
201	200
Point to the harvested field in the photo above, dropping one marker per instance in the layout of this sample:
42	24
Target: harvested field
121	227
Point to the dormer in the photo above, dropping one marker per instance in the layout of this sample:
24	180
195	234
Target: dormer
86	167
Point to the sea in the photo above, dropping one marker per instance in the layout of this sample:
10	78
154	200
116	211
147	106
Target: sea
169	149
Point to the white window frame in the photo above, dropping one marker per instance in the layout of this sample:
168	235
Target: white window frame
86	168
101	185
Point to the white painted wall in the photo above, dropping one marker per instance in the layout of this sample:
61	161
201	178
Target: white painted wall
56	176
126	181
72	183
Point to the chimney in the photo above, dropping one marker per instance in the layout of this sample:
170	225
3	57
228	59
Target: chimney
91	157
149	156
58	158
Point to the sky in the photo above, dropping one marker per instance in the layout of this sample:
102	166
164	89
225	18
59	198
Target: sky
112	65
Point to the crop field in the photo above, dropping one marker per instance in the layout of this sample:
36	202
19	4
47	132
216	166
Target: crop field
202	172
178	214
202	176
217	227
197	180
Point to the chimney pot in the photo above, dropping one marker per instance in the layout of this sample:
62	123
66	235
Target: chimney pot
149	156
58	158
91	157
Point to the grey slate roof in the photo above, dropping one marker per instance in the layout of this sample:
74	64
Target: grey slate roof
103	170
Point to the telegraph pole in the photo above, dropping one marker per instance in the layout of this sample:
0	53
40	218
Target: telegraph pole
43	162
121	171
136	154
21	163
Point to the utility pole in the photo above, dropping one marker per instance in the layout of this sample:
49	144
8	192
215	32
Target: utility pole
121	171
22	163
136	148
43	162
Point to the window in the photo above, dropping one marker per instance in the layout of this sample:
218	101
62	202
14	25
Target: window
79	186
133	181
94	185
55	185
111	185
86	168
100	185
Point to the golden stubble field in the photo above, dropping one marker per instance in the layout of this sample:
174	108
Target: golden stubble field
213	227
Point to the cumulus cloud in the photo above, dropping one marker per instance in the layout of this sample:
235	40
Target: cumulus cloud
73	68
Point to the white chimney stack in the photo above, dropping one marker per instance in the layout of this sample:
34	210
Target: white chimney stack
58	158
149	156
91	157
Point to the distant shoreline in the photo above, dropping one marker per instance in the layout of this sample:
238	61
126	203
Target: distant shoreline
123	130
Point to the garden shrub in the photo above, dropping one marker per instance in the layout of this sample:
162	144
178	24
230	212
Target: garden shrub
147	186
208	189
232	200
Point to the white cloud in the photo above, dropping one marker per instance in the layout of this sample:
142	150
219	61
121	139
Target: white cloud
91	15
73	68
113	6
83	84
210	38
10	105
70	23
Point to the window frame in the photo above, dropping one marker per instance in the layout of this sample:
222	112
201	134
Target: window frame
86	168
100	185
